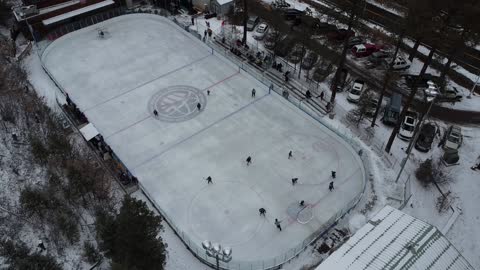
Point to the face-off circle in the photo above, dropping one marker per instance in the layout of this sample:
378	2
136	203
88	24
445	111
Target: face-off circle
177	103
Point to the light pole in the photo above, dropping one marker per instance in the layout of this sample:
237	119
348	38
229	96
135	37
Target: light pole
215	251
430	94
473	87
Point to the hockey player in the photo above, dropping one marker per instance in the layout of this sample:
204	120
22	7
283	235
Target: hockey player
209	180
199	106
330	186
290	155
253	92
262	211
294	181
334	174
249	160
277	223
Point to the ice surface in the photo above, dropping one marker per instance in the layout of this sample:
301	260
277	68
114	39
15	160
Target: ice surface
113	80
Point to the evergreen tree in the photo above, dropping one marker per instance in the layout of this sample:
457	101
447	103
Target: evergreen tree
131	238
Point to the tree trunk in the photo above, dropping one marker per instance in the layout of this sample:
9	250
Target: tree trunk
414	50
409	101
334	85
245	19
387	77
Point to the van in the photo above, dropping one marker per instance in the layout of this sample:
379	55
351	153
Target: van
391	114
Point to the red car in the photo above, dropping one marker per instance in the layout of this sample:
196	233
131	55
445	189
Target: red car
364	50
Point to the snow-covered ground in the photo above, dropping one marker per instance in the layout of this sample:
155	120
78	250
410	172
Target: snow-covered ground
118	81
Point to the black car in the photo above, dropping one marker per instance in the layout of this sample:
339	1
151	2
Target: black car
414	80
425	138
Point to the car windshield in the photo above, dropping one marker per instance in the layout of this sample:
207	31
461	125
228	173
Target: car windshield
393	114
261	29
409	120
454	137
355	92
408	127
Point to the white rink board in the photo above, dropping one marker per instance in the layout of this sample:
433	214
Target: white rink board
113	79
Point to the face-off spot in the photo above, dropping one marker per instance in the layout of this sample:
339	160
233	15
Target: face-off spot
177	103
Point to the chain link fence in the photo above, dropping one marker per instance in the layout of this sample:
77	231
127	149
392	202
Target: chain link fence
274	89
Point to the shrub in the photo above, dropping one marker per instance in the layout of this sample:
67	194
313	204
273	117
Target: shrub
91	253
39	151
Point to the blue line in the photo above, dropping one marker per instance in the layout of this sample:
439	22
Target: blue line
147	82
198	132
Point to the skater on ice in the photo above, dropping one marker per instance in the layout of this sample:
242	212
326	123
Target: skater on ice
277	223
294	181
155	112
302	203
330	186
253	92
249	160
208	92
199	106
209	180
334	174
290	155
262	211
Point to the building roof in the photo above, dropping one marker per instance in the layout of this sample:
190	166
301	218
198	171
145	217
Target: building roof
223	2
76	12
394	240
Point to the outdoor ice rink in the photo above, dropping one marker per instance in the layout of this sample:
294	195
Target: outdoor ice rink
146	63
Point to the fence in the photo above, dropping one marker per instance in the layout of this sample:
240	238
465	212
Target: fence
194	246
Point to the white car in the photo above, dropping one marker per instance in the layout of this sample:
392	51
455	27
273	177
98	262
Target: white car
356	91
401	63
261	31
453	138
408	126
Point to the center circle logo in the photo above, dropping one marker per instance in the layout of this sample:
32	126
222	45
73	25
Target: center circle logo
177	103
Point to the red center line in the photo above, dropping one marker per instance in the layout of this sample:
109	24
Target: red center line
221	81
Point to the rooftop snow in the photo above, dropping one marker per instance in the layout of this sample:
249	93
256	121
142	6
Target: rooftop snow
77	12
395	240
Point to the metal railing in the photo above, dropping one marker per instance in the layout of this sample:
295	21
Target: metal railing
277	261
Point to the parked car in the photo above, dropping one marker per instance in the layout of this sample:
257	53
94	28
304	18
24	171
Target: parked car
422	82
261	31
379	56
309	61
425	138
408	126
340	34
273	38
352	41
392	110
364	50
210	15
453	138
401	63
450	95
280	4
252	22
356	91
292	14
